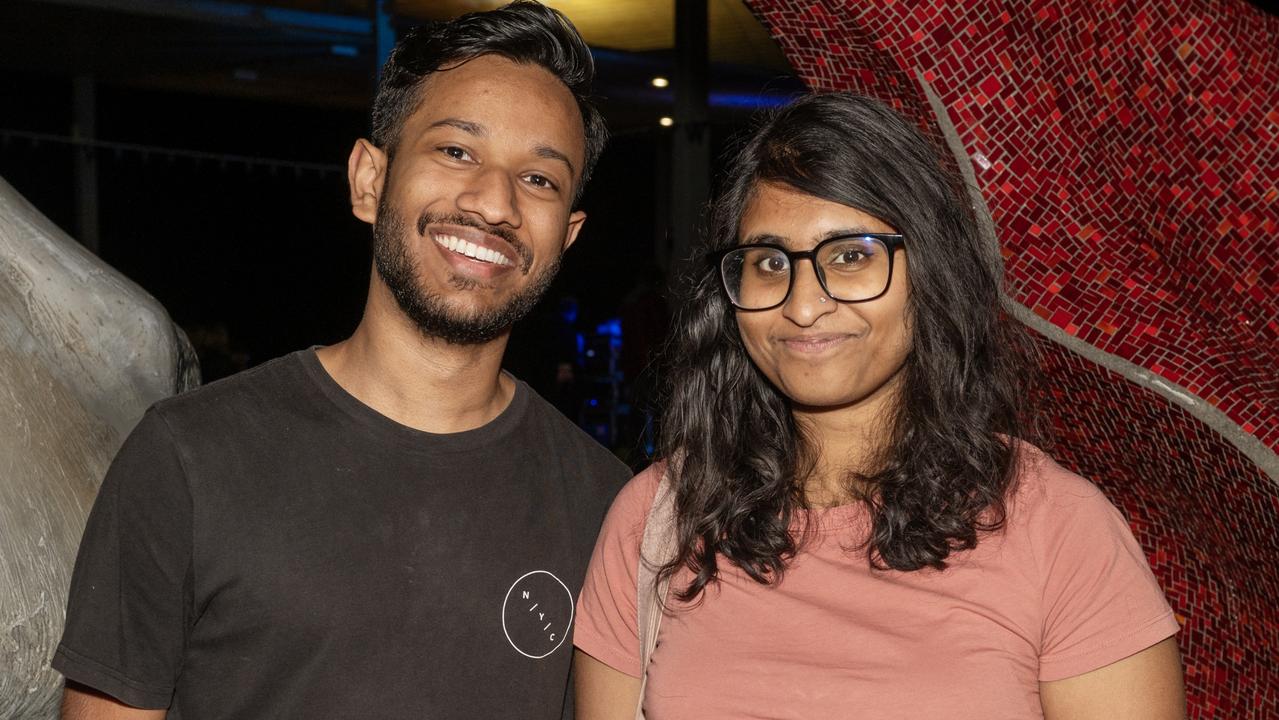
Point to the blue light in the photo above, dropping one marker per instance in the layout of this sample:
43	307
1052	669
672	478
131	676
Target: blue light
281	17
610	328
625	58
315	20
748	100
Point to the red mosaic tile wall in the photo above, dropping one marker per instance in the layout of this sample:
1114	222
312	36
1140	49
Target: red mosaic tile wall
1128	151
1129	155
1206	516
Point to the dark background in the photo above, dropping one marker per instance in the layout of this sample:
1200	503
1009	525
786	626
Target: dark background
227	201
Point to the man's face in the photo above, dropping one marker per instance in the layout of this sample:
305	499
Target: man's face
474	210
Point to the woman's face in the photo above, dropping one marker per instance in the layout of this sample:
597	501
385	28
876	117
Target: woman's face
821	353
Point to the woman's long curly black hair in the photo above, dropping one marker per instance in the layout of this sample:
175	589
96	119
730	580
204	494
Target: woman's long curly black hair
950	457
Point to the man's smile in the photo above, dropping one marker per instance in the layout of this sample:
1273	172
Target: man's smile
470	249
474	252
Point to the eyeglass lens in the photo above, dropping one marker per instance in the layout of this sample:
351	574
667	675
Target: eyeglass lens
852	269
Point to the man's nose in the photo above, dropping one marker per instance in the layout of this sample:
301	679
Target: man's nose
491	194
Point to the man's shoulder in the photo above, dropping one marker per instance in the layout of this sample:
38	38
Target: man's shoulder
571	441
256	392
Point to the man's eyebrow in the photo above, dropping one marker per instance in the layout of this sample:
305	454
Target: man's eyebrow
549	153
478	130
466	126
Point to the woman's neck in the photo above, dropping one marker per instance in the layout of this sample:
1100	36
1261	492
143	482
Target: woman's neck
847	442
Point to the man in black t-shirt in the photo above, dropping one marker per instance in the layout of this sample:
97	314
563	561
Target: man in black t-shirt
389	527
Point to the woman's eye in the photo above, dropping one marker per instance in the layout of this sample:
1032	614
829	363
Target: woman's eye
773	264
849	254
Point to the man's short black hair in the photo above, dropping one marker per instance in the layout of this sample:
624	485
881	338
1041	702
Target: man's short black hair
523	31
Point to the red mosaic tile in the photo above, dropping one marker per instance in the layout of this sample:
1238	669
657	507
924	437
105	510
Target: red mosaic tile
1173	484
1128	151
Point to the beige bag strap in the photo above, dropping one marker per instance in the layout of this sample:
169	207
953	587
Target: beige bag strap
656	549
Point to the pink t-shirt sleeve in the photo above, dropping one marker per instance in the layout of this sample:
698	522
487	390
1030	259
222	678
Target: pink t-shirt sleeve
1101	603
606	625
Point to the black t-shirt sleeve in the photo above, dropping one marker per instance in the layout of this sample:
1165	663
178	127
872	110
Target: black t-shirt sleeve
129	606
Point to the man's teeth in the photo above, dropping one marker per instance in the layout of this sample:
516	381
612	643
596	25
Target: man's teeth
471	250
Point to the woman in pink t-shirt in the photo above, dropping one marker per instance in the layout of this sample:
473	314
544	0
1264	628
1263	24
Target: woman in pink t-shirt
859	527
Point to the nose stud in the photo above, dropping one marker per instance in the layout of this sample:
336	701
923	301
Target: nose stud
821	299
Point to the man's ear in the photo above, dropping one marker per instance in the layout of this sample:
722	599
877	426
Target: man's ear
366	175
575	221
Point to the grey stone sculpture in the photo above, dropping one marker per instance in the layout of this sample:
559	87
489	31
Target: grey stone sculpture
83	352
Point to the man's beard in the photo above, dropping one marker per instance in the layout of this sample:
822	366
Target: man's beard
430	310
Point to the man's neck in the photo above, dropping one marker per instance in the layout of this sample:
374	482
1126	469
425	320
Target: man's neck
419	381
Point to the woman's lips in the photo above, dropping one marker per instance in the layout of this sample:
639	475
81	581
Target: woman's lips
814	344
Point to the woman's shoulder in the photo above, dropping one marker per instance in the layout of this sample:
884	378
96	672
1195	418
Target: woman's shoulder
1038	470
642	488
1046	488
631	506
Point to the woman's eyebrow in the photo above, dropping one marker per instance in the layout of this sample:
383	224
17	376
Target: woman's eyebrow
763	239
854	230
773	239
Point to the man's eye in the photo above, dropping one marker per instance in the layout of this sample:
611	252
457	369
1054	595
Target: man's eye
455	152
540	181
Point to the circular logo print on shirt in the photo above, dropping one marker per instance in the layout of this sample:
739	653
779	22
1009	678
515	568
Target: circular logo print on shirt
537	613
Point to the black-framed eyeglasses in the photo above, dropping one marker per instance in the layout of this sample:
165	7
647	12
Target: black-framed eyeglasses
850	268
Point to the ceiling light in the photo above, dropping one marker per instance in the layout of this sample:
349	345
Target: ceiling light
660	82
666	121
